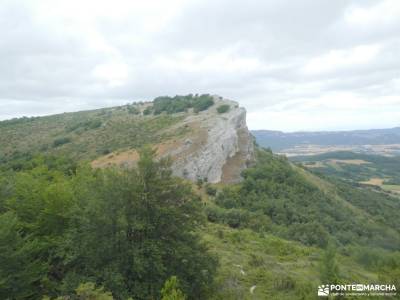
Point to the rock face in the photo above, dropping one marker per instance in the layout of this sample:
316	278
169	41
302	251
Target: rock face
219	148
207	145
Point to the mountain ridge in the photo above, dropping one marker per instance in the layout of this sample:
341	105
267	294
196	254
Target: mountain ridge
189	129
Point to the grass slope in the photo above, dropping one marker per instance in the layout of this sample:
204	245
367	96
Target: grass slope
82	135
278	268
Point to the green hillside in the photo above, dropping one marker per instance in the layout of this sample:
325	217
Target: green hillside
81	135
381	173
87	135
68	230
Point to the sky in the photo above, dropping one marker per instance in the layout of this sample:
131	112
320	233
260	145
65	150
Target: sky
294	65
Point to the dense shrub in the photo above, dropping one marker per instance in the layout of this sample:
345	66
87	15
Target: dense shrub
61	141
234	218
86	125
210	190
203	102
311	234
177	104
148	111
223	108
133	110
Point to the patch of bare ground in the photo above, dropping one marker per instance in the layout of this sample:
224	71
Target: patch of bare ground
174	148
349	161
374	181
125	158
317	164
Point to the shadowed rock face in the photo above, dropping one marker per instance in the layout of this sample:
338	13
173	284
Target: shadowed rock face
219	148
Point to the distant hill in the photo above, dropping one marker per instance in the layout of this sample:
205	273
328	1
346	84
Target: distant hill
379	141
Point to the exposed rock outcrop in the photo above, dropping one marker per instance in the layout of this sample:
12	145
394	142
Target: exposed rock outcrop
208	145
219	147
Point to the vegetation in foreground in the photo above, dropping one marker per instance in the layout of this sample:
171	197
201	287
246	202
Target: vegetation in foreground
126	230
68	231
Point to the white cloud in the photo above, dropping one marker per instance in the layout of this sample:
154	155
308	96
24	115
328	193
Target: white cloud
292	64
332	111
222	61
340	59
381	13
114	73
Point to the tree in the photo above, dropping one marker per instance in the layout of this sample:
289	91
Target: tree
20	267
171	290
88	291
328	266
132	228
38	215
124	229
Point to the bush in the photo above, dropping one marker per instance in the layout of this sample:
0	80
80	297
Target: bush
89	291
210	190
133	110
148	111
61	141
329	271
284	283
178	104
199	182
203	103
223	108
105	151
311	234
255	261
93	124
215	214
236	218
171	290
90	124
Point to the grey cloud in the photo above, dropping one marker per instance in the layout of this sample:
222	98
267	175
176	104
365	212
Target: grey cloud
255	52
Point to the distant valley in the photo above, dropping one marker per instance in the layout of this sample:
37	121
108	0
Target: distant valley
364	158
378	172
375	141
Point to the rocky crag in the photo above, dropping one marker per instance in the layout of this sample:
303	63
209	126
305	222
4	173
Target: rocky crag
214	146
218	149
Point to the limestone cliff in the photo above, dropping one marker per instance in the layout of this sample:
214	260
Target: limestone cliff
219	146
207	145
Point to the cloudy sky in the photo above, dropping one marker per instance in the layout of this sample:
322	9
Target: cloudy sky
294	64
